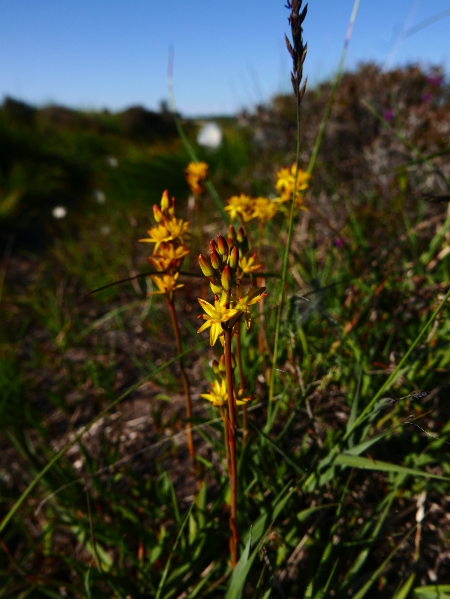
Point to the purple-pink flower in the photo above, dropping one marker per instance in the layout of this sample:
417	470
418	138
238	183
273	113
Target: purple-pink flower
435	81
388	114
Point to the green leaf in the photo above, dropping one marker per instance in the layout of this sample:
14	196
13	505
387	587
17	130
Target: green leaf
167	567
437	591
404	591
239	576
87	582
344	459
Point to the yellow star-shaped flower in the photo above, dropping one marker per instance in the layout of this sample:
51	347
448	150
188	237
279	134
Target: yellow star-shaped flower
253	296
218	395
215	316
247	266
176	227
157	235
264	209
285	184
240	206
166	283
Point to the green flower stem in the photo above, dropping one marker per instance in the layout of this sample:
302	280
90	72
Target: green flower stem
228	334
187	390
284	273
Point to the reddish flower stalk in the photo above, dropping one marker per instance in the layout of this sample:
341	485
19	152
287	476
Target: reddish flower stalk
187	390
228	333
237	334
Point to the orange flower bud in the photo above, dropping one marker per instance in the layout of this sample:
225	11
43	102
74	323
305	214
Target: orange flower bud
222	246
165	201
212	245
222	368
215	259
206	267
233	259
233	362
240	235
215	366
215	288
227	278
157	214
231	235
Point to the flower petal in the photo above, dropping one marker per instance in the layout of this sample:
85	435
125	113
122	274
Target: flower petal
204	326
207	308
216	329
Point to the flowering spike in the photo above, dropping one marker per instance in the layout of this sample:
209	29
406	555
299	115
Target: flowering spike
206	267
226	278
233	259
222	246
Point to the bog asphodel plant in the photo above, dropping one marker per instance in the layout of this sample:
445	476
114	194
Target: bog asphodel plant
167	257
232	303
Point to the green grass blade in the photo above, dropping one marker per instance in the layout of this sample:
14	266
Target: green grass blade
435	591
277	449
237	580
363	591
166	569
393	377
284	273
404	591
344	459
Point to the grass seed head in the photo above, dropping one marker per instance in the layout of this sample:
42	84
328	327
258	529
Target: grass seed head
297	49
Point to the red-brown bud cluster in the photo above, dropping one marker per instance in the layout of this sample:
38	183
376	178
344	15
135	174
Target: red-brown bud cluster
223	263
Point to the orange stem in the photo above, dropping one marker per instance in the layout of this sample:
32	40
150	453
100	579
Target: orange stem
187	390
228	333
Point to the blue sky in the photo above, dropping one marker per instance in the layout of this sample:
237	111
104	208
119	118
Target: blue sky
94	54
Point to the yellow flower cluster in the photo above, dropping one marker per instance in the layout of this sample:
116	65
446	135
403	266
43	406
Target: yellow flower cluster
285	185
224	274
196	173
218	395
246	208
169	249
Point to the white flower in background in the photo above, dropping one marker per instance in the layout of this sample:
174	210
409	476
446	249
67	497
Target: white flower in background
59	212
99	196
112	161
210	135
